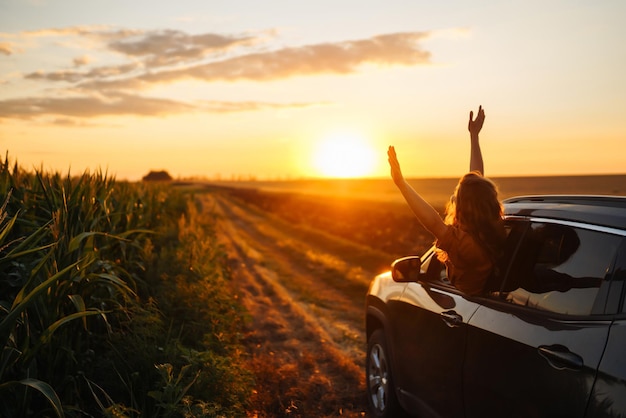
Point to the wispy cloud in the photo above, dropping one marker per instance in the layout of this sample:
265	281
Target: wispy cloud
151	58
85	107
81	61
230	107
72	122
160	48
328	58
76	76
5	48
124	104
159	51
88	31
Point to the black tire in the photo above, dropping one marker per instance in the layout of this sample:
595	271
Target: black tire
381	391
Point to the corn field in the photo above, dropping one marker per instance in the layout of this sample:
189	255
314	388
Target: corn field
114	301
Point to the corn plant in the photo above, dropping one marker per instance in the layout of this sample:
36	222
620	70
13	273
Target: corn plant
65	248
99	281
12	354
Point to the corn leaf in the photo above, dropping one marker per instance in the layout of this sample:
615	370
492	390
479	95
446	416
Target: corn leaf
45	336
44	388
47	391
19	306
7	227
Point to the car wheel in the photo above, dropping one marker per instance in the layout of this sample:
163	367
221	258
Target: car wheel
381	394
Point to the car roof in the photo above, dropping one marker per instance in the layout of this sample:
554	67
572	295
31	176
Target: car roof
609	211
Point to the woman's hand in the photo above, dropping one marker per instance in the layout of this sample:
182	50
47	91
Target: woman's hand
396	173
474	126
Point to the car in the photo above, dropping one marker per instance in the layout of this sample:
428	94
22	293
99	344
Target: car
546	338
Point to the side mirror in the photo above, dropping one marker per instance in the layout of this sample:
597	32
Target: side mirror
406	269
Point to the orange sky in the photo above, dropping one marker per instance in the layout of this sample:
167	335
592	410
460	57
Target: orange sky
251	90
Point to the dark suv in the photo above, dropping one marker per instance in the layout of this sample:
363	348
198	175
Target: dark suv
547	338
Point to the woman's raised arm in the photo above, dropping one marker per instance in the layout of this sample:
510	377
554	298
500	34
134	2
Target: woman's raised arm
426	214
474	126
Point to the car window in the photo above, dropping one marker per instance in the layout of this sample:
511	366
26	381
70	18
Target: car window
561	269
433	269
617	283
436	273
515	229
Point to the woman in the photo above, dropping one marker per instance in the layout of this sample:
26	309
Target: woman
470	239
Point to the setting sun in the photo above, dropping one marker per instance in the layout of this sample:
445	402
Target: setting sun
344	155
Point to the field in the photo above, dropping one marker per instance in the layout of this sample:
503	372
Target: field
114	302
200	300
302	254
438	190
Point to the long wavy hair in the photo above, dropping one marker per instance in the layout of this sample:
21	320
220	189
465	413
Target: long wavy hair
475	208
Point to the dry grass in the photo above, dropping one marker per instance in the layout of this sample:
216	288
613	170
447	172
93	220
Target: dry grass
304	343
301	265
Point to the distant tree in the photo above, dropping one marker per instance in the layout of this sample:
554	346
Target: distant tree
157	176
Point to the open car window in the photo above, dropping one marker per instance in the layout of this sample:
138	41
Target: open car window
433	270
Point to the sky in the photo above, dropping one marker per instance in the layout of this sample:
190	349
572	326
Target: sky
286	89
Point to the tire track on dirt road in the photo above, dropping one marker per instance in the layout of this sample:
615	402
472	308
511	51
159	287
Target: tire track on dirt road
306	333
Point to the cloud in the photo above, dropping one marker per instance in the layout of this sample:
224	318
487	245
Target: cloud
143	50
98	31
123	104
74	76
230	107
71	122
170	46
86	107
82	60
169	56
151	58
337	58
6	48
400	49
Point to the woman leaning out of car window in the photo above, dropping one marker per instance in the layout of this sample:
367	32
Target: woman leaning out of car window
470	237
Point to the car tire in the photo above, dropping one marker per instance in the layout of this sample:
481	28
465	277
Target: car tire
381	393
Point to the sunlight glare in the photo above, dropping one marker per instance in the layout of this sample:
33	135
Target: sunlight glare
344	155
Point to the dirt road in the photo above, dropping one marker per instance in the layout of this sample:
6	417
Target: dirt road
305	291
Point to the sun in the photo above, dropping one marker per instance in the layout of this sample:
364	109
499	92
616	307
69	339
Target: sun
344	155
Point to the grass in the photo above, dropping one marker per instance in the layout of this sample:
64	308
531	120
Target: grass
113	301
386	227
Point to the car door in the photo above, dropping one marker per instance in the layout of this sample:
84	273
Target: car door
533	347
430	334
608	399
